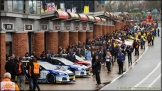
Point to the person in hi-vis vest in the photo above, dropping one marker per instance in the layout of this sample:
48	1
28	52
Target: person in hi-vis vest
7	84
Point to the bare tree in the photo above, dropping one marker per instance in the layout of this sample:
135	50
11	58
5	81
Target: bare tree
110	5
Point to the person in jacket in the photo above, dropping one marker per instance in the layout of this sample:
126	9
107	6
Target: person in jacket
71	56
97	69
158	31
20	72
137	48
33	54
120	59
88	54
31	86
93	61
42	56
129	51
116	51
26	57
7	84
108	61
47	58
34	72
152	39
10	67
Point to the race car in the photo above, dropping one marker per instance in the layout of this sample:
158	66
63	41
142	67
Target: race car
52	74
79	70
81	61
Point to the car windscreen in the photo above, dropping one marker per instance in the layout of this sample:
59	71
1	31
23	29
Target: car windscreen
65	61
47	65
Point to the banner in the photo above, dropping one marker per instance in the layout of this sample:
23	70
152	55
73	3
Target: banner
49	7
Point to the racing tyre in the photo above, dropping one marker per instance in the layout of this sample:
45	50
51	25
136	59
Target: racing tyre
51	78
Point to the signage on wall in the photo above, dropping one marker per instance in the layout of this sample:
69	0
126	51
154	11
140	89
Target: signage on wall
44	27
91	28
76	28
57	27
67	27
84	27
8	26
28	27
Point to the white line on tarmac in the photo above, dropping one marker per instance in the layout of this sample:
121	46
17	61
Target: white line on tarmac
138	58
154	80
147	75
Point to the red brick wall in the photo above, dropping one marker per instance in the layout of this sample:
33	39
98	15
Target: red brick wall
20	44
73	38
38	43
64	39
2	54
82	37
99	30
95	31
107	29
52	42
124	23
89	35
104	30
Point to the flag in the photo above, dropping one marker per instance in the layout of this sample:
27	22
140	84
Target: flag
74	10
86	9
69	10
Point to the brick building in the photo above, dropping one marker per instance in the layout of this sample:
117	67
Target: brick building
26	32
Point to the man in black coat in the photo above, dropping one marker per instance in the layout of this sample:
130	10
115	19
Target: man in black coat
97	69
158	32
71	56
10	67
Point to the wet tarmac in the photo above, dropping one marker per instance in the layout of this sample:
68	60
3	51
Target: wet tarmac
89	83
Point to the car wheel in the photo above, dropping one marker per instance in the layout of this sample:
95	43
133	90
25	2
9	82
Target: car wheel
51	78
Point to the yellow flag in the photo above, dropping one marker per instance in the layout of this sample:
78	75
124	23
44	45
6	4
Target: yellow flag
86	9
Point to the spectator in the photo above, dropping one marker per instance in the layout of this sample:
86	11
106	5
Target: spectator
129	51
31	85
152	39
71	56
33	54
42	56
26	57
108	61
120	59
158	32
93	61
47	58
20	72
88	54
7	84
10	67
97	69
8	58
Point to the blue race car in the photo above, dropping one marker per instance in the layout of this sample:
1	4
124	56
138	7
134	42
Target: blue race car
53	74
79	70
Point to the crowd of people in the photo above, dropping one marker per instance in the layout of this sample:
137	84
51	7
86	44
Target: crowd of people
103	50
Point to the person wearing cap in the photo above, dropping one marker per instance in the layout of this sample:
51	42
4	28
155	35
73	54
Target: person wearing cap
120	60
7	84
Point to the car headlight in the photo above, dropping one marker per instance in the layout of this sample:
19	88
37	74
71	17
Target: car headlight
62	73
